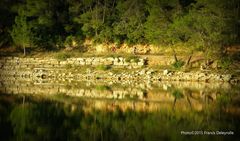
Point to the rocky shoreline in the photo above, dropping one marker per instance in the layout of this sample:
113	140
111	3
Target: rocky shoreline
75	69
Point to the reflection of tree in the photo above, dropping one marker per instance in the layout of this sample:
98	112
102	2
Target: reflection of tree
20	120
207	98
181	93
6	105
51	120
39	121
177	94
188	93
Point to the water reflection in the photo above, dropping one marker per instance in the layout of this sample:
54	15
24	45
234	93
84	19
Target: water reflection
135	95
117	111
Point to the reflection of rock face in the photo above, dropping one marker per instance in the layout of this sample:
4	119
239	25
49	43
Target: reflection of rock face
138	96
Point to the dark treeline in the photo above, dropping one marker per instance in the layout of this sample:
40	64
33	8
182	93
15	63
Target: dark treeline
51	24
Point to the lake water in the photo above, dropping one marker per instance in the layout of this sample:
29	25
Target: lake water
118	111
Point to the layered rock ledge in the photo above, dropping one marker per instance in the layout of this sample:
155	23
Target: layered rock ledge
85	68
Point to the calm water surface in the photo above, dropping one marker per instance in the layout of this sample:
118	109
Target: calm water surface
118	111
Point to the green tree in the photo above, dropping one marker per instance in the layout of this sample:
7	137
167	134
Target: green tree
47	20
202	27
21	33
129	25
232	15
7	17
90	17
161	13
208	25
20	118
109	15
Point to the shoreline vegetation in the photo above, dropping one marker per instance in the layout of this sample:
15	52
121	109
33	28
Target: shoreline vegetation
190	35
210	27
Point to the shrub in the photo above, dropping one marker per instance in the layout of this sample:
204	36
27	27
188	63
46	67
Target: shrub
59	42
178	64
70	41
132	58
74	42
62	56
103	67
113	55
103	88
225	62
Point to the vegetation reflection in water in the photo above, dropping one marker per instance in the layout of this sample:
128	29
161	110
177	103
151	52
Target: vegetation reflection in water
62	117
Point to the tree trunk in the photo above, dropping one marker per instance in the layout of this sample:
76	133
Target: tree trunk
174	55
237	17
23	102
96	18
189	59
104	11
96	32
113	4
24	50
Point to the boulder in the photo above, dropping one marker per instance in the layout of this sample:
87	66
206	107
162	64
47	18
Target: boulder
226	78
165	72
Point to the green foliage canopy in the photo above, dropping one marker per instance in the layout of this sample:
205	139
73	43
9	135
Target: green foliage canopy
200	24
